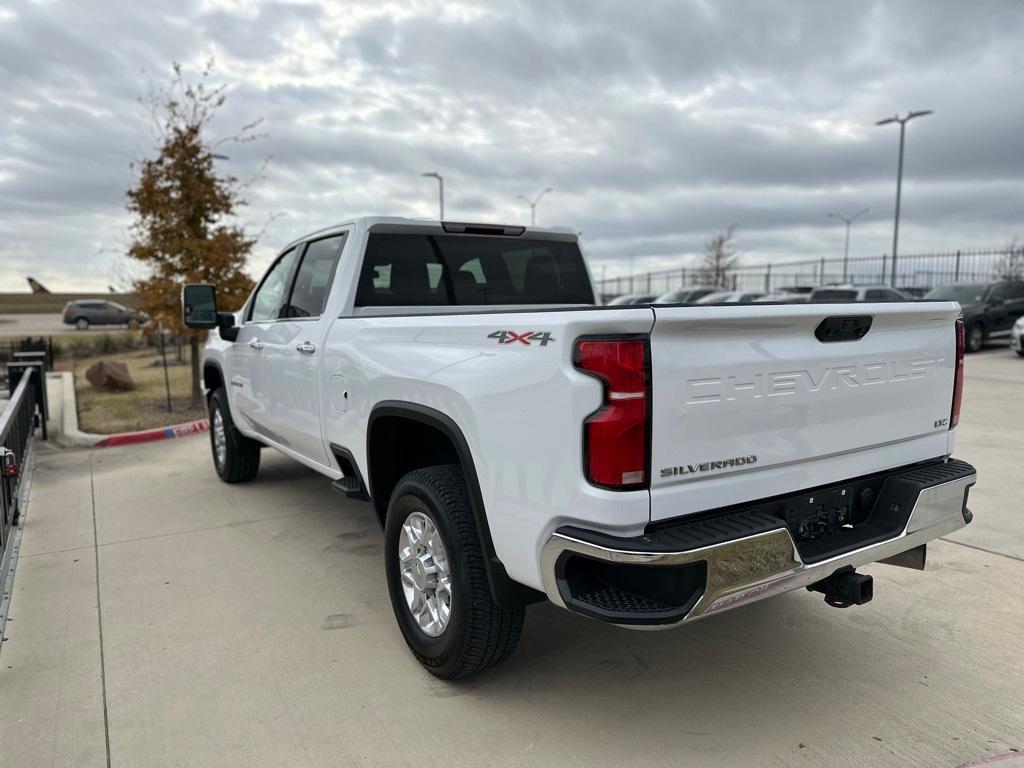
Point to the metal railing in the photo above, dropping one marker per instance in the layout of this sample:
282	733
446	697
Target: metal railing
914	270
19	418
13	349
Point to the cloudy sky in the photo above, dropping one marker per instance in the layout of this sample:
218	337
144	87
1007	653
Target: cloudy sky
656	123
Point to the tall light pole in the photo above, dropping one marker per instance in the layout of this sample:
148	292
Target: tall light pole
440	189
846	248
533	204
899	177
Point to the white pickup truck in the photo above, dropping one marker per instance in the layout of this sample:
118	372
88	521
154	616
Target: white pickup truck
641	465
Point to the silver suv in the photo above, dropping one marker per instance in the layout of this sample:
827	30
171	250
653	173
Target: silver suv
857	293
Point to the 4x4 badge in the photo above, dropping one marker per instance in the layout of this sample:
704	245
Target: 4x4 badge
510	337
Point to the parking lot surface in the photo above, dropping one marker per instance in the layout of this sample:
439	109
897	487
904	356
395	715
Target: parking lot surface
161	617
34	325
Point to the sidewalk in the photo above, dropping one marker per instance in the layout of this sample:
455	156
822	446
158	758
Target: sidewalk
167	619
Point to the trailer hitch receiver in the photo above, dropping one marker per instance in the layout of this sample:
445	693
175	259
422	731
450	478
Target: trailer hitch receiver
844	588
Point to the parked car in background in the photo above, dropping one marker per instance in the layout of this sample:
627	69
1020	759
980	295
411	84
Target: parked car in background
632	298
82	313
915	291
784	298
730	297
1017	336
857	293
684	295
989	309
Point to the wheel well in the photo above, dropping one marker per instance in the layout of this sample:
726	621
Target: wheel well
212	378
398	445
406	436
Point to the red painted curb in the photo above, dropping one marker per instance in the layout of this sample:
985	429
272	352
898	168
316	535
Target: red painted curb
160	433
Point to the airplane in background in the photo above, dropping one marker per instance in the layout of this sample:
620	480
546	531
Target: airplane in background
36	286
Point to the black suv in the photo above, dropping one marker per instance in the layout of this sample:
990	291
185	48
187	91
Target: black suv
989	309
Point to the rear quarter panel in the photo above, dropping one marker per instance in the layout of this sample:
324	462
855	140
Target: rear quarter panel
520	407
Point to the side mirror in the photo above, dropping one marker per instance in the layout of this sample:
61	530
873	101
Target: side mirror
199	306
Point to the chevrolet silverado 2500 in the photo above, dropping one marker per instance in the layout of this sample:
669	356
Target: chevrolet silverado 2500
641	465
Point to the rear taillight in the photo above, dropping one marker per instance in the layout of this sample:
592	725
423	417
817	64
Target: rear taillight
958	377
616	436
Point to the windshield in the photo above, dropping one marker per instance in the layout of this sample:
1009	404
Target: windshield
715	298
672	297
620	300
972	293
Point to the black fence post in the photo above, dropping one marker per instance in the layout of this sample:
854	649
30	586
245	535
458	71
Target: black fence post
35	368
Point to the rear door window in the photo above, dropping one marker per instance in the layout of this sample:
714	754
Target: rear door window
314	277
999	292
461	270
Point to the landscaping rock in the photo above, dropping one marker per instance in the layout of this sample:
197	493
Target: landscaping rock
110	376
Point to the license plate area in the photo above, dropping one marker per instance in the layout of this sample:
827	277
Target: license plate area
821	514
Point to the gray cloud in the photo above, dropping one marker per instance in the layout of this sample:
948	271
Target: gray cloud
656	122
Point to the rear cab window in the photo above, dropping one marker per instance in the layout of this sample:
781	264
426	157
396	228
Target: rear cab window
470	270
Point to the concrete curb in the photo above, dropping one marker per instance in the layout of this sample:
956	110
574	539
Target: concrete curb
65	423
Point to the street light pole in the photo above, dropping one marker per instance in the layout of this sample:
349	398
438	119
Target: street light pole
899	178
440	189
846	247
533	204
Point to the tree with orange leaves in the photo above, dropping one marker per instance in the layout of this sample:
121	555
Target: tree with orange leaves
184	210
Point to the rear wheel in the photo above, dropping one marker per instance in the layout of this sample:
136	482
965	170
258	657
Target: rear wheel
975	337
82	324
235	456
438	583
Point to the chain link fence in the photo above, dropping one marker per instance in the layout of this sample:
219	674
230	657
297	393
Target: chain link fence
917	272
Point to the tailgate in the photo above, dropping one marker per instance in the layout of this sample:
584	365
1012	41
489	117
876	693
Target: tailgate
748	402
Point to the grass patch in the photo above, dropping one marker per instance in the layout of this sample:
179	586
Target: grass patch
82	345
141	408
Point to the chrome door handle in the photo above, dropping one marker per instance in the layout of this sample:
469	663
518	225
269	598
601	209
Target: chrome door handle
256	344
306	347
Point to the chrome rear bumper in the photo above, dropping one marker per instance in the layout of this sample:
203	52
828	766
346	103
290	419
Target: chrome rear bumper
751	568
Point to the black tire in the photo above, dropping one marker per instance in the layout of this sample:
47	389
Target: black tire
82	324
975	337
241	458
1019	352
479	633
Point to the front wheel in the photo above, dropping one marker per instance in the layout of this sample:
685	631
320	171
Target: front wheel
437	580
235	456
975	337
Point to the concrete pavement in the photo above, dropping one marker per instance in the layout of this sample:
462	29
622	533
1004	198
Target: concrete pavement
161	617
45	324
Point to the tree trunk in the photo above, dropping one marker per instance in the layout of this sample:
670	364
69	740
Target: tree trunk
197	390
